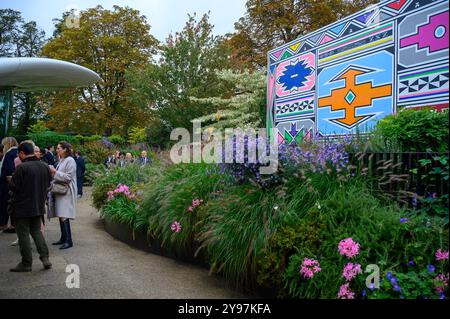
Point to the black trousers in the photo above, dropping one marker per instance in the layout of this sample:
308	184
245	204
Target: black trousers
80	181
26	227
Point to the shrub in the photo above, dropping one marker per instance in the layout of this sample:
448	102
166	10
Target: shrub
385	240
46	138
93	152
129	175
167	200
38	127
93	171
416	130
240	222
136	134
117	139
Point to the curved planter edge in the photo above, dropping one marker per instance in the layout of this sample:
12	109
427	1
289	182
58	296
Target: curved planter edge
140	240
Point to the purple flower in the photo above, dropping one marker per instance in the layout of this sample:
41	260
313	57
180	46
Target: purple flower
411	263
396	287
389	275
363	293
431	269
403	220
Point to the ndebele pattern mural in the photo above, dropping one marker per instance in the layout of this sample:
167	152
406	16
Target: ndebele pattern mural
345	77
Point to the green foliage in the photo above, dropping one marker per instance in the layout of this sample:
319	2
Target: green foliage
93	171
46	138
167	200
136	135
188	61
93	152
416	130
240	223
121	209
243	108
284	243
129	175
434	172
39	127
353	212
415	281
117	139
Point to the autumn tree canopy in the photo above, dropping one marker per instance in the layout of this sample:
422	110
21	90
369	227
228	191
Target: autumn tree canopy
186	68
109	42
268	24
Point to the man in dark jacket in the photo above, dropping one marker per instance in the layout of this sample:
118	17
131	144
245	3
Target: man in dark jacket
29	185
49	158
81	169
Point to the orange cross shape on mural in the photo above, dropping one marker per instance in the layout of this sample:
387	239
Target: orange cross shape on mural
353	95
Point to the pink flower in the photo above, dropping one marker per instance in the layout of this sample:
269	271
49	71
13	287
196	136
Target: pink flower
348	247
441	255
351	271
309	268
441	282
195	202
345	292
176	227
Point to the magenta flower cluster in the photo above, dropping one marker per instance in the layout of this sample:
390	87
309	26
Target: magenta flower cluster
121	189
345	292
195	202
348	248
309	268
441	255
175	227
351	270
441	282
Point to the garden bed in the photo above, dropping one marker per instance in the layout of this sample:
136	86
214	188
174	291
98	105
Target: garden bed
140	240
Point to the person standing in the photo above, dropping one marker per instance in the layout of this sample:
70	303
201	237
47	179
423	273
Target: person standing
7	168
64	206
144	159
29	185
49	158
81	169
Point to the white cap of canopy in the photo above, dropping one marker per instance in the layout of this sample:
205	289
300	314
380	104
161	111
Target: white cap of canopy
41	74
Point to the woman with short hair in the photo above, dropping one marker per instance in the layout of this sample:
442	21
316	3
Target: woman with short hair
64	206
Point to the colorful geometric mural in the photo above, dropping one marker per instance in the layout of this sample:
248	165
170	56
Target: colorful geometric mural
350	74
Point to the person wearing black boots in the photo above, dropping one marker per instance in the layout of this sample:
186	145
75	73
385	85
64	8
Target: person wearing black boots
64	206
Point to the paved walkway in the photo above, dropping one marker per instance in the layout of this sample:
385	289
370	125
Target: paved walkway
108	268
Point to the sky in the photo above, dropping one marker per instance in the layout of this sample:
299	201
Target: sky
164	16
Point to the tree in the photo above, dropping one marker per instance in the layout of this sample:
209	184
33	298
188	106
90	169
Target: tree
245	108
109	43
9	25
268	24
186	68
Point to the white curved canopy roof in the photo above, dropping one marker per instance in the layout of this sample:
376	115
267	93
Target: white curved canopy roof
37	74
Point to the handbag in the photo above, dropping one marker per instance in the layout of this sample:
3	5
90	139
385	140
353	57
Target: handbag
59	188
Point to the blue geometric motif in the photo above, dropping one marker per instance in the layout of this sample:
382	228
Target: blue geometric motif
295	75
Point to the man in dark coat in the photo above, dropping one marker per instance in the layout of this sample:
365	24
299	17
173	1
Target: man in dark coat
29	185
49	158
81	169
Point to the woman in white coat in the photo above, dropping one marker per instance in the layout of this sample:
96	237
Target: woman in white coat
65	205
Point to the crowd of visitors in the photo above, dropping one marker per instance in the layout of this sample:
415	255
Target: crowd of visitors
36	181
33	182
122	159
